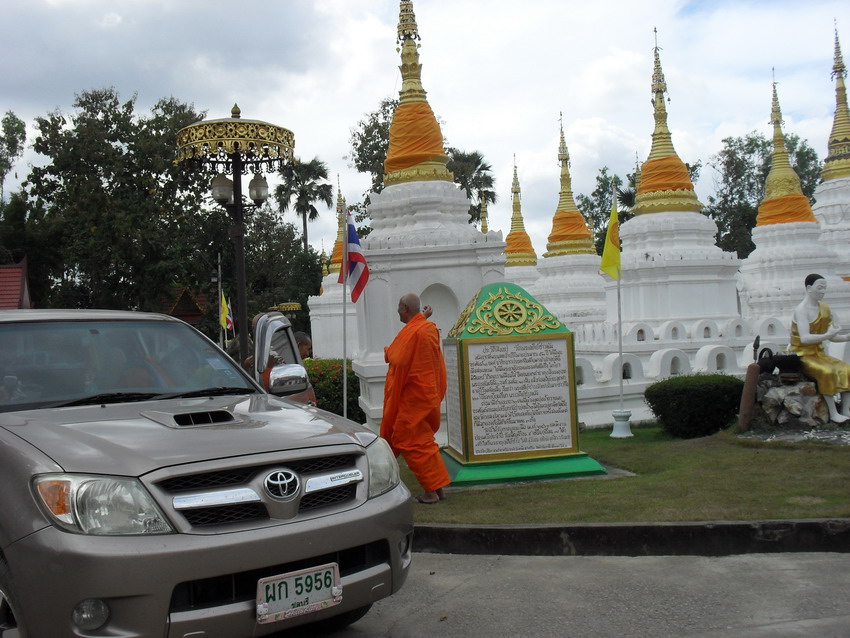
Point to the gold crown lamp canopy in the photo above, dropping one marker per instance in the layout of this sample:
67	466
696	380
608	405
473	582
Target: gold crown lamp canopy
233	146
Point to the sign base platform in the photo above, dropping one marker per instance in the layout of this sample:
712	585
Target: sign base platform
569	466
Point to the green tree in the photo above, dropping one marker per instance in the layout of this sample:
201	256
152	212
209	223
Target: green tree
278	269
597	207
370	140
122	220
741	169
475	178
14	135
301	183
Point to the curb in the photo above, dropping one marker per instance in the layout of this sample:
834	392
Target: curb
718	538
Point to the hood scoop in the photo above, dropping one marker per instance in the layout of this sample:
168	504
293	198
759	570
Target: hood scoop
192	419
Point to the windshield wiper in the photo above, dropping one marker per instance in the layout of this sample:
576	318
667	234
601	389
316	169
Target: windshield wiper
207	392
105	397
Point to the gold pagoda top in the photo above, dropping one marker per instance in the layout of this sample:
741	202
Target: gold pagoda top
665	184
837	163
518	248
783	201
415	151
482	215
336	255
570	234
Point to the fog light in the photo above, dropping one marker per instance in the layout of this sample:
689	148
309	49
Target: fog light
90	614
404	544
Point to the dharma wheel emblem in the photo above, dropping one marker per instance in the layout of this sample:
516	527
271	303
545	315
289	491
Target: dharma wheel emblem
510	313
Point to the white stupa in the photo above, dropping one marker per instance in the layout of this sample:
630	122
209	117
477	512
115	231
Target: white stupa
570	285
421	241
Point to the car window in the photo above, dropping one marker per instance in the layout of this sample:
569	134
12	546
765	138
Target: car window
44	363
283	347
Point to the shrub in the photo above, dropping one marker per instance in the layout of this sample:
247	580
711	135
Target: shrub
326	376
696	405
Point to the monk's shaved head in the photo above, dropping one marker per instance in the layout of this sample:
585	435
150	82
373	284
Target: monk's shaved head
408	307
411	301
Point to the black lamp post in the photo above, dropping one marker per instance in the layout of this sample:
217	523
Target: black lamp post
237	147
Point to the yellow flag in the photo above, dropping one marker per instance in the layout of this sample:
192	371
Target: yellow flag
610	263
225	312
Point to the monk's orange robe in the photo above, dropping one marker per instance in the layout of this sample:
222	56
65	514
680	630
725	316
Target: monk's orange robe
415	387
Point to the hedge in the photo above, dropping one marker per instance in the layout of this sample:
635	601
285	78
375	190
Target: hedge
695	405
326	376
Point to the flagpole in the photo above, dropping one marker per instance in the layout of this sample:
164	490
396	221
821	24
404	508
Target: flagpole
220	327
620	334
344	319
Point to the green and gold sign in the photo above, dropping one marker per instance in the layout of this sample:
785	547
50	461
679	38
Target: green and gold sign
511	395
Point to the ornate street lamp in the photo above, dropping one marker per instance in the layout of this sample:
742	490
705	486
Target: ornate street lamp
236	147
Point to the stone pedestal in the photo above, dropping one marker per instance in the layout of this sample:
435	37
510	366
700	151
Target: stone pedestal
788	406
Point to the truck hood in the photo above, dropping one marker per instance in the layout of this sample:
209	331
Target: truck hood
131	439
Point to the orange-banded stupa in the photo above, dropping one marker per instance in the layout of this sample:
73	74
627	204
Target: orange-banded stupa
570	284
570	234
518	248
832	195
788	244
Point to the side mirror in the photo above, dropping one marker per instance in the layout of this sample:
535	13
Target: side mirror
288	379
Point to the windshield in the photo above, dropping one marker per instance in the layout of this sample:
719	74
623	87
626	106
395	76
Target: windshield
55	363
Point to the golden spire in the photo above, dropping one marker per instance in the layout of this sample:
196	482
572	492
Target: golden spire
415	151
483	215
336	255
837	163
518	248
665	182
783	201
570	234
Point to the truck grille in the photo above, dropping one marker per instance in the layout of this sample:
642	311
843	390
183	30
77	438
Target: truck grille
251	477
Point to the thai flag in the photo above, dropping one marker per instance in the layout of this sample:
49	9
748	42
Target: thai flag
355	270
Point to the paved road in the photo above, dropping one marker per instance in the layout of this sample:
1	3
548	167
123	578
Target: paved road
744	596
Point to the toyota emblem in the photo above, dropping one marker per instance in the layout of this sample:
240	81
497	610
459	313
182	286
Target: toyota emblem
282	484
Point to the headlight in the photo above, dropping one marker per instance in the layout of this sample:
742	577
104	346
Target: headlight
101	505
383	469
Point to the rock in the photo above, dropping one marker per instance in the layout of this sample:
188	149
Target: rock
790	406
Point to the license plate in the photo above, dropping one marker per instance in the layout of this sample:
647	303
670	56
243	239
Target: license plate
298	593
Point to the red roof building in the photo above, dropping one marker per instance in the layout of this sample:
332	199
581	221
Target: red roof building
14	291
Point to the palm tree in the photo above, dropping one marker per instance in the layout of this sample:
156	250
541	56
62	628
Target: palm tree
474	176
301	181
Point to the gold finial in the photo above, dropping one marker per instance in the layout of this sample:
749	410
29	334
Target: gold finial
518	248
336	255
570	234
781	180
407	29
235	112
837	163
483	215
662	141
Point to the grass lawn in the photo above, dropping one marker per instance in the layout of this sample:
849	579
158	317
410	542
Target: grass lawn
719	477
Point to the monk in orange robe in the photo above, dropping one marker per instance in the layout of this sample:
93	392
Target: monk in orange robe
415	387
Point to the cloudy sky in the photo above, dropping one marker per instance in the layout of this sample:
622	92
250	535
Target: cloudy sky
497	73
